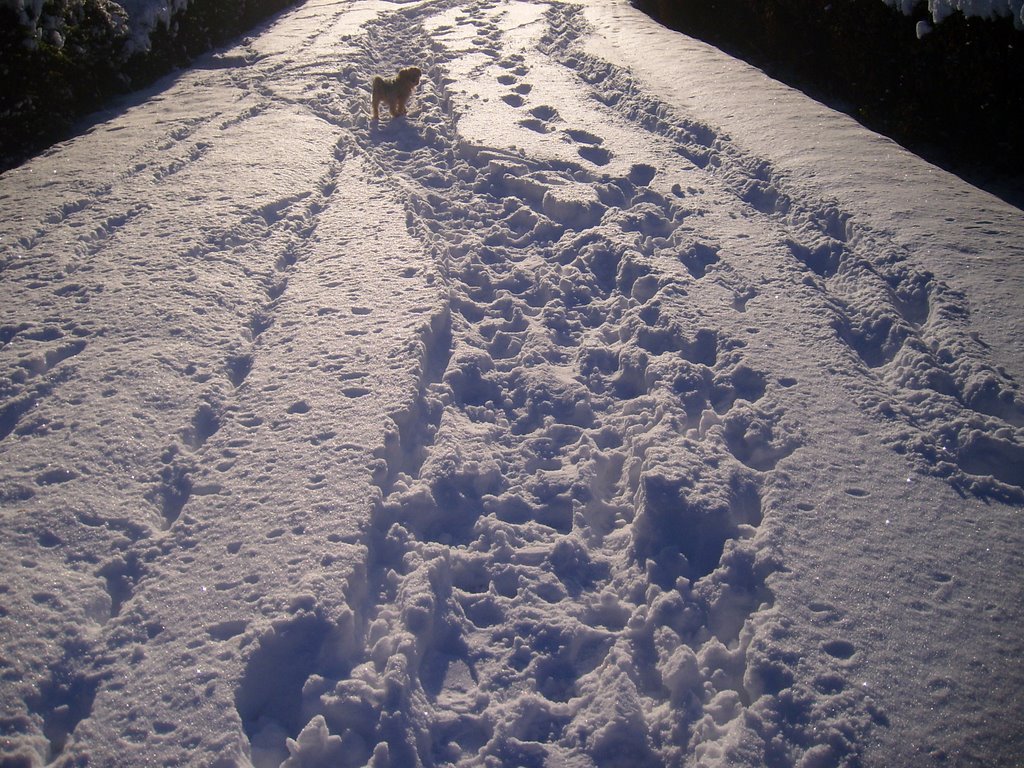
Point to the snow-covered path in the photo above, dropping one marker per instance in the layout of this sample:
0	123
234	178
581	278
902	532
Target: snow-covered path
585	417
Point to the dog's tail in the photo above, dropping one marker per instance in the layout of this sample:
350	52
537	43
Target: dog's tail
377	95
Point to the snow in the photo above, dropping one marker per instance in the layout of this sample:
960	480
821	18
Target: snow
619	406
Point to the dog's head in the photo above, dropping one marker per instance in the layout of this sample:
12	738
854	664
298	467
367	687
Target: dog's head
409	75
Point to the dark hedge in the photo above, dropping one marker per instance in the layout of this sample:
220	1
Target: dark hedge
47	87
955	96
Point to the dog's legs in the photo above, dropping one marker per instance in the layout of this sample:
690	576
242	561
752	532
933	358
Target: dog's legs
376	107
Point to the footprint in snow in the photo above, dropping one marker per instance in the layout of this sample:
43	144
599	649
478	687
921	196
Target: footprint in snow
595	155
536	125
544	112
540	120
590	149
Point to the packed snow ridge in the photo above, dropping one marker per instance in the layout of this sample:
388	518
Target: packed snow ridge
549	425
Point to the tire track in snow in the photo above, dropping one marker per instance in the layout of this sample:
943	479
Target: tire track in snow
567	561
288	223
279	396
88	195
286	655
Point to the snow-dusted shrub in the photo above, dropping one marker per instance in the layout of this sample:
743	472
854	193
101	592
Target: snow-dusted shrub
57	58
985	9
950	91
60	59
50	23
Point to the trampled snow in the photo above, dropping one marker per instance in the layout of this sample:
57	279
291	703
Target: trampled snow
617	407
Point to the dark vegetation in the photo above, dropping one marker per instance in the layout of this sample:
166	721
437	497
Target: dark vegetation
955	96
76	57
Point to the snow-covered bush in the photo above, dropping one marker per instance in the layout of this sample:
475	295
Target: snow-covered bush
50	23
59	59
985	9
950	91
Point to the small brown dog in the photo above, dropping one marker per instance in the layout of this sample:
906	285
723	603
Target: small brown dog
395	91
